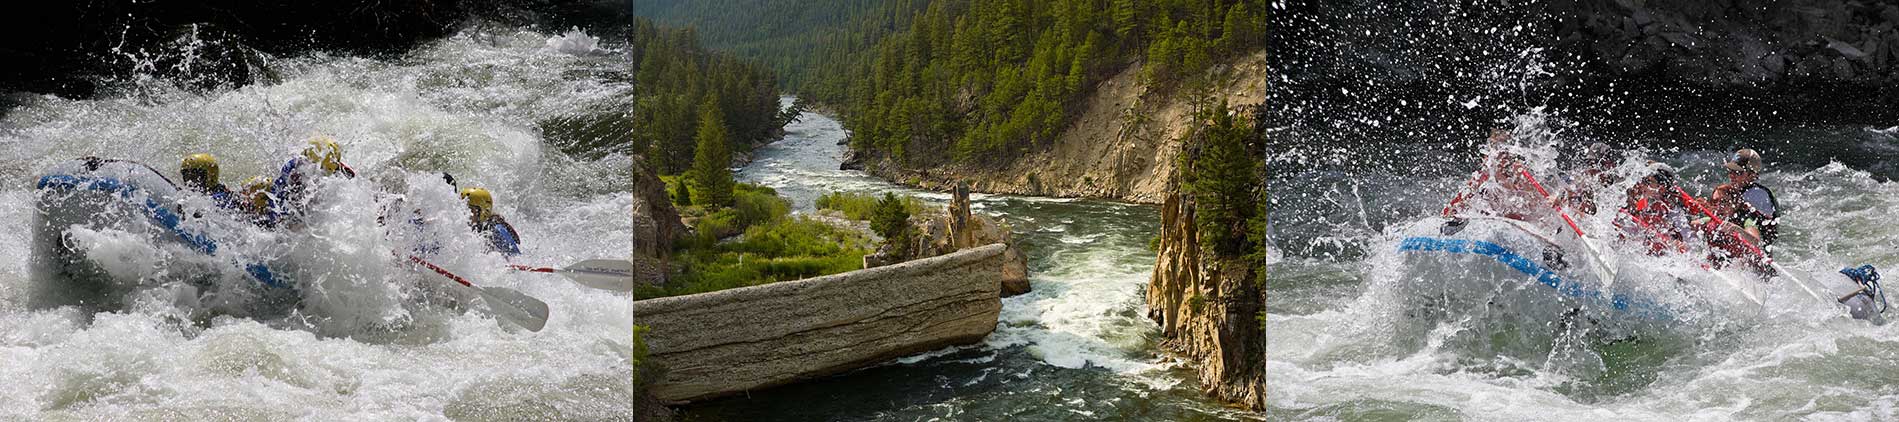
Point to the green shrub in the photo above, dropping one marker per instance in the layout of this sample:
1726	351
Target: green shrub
758	206
640	353
858	206
778	250
889	219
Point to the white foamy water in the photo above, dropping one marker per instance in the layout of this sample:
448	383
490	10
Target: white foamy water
1346	344
371	337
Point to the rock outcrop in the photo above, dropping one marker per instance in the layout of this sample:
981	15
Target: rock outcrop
731	341
957	229
1121	147
1208	309
655	224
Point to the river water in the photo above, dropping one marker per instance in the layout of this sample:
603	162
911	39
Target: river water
1343	346
1078	347
373	339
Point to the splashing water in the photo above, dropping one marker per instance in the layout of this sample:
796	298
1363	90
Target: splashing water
367	336
1361	329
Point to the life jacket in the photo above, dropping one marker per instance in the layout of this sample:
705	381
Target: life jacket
1767	222
1660	225
501	236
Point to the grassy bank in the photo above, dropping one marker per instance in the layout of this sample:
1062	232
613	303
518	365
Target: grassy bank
756	241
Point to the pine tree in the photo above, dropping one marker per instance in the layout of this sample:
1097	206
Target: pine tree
682	196
712	179
890	220
1127	18
1223	181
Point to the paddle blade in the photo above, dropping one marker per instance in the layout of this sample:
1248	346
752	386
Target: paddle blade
604	274
520	309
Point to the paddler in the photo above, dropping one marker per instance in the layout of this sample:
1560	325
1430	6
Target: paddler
482	218
1655	214
289	193
1518	198
254	199
1745	221
200	174
1597	171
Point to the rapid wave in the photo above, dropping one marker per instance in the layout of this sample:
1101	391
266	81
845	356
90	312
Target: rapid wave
368	336
1428	336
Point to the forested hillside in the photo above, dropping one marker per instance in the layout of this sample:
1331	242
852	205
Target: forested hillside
985	80
796	39
676	80
970	80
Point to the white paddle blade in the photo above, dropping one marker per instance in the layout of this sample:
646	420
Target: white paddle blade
520	309
604	274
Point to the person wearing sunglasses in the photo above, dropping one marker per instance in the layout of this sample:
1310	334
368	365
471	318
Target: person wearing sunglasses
1750	205
1748	209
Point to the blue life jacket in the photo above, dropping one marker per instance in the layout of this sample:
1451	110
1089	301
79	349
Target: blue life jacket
501	236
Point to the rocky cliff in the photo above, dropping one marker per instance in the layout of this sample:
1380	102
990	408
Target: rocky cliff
1208	309
731	341
1120	148
655	224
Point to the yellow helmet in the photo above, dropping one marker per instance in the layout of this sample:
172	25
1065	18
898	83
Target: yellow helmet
325	151
200	169
480	202
257	190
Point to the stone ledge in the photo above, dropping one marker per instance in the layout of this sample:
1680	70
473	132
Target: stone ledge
731	341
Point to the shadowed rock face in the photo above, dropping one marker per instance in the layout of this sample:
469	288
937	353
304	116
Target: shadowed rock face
655	224
731	341
1207	308
64	47
1738	42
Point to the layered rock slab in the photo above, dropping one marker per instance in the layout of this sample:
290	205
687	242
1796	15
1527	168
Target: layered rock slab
731	341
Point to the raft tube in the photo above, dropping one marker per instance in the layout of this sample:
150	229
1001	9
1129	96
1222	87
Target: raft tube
81	191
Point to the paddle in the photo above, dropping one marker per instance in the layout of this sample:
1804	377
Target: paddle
520	309
1717	221
604	274
1603	270
1683	247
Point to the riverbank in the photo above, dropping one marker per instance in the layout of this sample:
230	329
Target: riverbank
1077	346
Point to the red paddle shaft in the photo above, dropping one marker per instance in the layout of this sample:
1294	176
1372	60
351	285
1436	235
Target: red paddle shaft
1468	191
532	269
1546	195
443	272
1716	219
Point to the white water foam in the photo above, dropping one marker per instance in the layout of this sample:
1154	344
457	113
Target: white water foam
374	338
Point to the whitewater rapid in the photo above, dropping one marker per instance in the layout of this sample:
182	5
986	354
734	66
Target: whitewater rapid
1341	344
374	339
1078	347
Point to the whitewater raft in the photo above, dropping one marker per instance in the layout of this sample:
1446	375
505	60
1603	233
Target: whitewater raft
94	195
1543	269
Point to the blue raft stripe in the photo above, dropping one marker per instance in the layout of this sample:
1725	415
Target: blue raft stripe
1544	276
164	216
